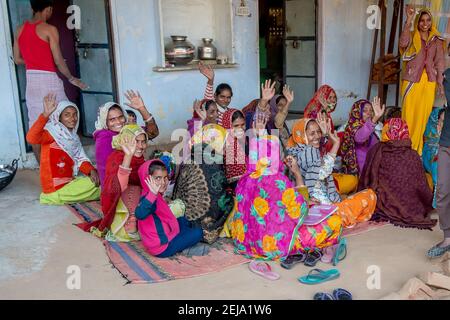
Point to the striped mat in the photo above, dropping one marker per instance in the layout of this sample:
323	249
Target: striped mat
138	267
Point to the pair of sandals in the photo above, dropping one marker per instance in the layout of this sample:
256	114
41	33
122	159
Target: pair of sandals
338	294
309	259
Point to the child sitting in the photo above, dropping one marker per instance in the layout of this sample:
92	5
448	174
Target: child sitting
162	234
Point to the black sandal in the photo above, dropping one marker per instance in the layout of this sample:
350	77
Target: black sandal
291	261
313	258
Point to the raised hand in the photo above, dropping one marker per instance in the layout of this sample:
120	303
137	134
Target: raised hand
292	165
78	83
207	71
322	122
268	90
410	12
378	110
128	145
199	109
152	185
288	94
134	100
261	122
49	104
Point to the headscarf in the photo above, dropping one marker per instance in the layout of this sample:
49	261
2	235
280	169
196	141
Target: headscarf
264	157
129	131
395	129
111	190
102	119
234	155
319	102
212	135
348	149
416	44
67	139
168	160
299	133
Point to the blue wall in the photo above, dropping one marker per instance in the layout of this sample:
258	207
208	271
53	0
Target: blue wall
169	96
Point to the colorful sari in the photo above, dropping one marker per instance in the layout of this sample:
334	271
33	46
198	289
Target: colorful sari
317	175
395	172
113	200
201	183
418	98
319	103
103	138
431	145
268	222
351	151
234	155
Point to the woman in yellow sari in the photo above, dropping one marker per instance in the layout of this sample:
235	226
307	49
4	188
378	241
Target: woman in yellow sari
423	55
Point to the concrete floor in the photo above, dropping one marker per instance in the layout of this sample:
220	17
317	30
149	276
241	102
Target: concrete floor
38	244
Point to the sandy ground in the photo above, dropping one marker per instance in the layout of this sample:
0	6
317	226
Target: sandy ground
39	243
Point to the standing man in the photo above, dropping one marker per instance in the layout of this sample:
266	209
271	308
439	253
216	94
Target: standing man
36	45
443	185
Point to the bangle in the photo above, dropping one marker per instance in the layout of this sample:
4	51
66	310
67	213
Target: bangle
149	119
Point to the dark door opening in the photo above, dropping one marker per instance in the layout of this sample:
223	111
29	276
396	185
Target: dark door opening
88	53
288	47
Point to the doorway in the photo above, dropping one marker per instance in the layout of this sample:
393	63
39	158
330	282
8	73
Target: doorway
88	53
288	47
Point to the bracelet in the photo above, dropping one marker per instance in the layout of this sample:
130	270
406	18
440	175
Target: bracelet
149	119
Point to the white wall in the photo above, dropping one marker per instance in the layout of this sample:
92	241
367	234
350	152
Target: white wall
11	133
170	95
346	50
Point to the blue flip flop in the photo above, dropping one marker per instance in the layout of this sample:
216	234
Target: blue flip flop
341	252
317	276
342	294
323	296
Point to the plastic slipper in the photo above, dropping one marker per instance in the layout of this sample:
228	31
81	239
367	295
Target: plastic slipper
312	258
291	261
318	276
264	270
322	296
341	252
329	253
342	294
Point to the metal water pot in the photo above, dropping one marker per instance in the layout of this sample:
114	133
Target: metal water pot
180	51
208	51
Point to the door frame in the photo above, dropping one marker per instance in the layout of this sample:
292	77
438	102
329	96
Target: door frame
111	18
9	36
112	56
318	59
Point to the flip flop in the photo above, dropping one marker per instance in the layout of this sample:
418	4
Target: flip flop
264	270
341	252
329	253
312	258
318	276
291	261
342	294
323	296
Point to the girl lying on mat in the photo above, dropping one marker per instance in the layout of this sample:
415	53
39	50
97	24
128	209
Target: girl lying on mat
162	234
62	155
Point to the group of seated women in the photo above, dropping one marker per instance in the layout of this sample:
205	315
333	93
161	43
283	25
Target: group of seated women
236	180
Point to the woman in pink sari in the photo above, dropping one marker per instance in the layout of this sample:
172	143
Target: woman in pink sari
268	223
